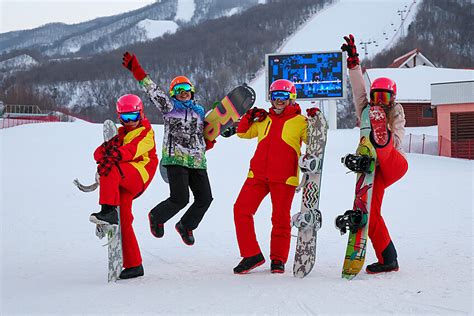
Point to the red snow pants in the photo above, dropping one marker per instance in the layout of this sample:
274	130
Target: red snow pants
119	190
250	197
392	166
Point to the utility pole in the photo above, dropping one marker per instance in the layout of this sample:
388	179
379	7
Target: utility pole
402	20
364	44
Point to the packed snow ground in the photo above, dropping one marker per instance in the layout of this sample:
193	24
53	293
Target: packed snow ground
52	263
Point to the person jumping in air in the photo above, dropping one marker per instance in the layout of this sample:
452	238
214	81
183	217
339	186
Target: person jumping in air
273	169
388	129
183	152
126	166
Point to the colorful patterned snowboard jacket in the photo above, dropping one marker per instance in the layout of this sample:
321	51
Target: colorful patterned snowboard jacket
183	139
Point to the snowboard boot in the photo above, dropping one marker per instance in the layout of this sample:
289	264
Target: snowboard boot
277	266
377	267
351	220
186	234
358	163
249	263
157	229
134	272
107	215
378	121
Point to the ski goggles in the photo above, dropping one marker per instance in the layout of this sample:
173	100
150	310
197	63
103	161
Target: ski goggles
182	87
129	117
383	97
280	95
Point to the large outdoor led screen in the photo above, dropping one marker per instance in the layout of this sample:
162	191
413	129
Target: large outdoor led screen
318	75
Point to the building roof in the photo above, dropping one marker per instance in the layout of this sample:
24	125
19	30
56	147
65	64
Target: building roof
414	84
411	59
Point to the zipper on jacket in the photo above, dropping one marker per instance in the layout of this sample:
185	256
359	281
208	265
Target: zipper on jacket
185	115
266	128
170	138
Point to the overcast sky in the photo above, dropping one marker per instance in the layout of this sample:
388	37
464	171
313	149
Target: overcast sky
28	14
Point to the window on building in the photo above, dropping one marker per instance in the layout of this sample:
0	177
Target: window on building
428	112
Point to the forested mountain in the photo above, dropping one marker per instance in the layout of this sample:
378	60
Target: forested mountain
443	30
212	53
221	46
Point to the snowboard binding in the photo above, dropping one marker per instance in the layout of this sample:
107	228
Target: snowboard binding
310	163
307	219
358	163
352	220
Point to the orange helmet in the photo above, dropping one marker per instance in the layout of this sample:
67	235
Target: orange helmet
179	80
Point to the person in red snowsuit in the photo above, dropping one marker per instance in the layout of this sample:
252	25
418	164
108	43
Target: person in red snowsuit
273	169
126	166
387	136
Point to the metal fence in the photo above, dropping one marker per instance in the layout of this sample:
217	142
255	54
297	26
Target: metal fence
10	121
436	145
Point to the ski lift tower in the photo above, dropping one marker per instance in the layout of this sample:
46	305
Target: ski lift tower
318	77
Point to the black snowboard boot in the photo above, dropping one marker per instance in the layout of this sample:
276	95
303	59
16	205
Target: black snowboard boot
249	263
277	266
157	229
134	272
358	163
382	267
186	234
107	215
351	220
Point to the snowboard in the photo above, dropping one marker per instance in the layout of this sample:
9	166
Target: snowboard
357	241
113	232
309	218
224	115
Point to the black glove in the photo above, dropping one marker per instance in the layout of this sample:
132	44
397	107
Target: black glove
350	48
228	132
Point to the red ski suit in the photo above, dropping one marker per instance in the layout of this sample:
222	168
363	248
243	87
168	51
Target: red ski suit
273	169
391	167
127	181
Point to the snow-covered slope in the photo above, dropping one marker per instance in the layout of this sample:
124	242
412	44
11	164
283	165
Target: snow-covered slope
156	29
52	263
367	20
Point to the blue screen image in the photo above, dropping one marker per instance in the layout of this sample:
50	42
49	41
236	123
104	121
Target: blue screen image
315	75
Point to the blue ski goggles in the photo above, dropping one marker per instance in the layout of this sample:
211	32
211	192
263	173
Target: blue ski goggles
130	117
182	87
280	95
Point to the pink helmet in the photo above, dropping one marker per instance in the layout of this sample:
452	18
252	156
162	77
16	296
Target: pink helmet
384	84
129	103
284	85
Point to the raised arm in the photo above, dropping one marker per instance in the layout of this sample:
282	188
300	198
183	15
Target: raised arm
355	74
159	97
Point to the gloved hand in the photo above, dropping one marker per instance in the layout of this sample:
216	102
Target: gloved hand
104	166
311	112
210	144
255	114
350	48
131	63
228	132
109	145
113	155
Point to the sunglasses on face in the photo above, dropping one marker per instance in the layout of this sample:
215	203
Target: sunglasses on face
280	95
182	87
129	117
383	97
